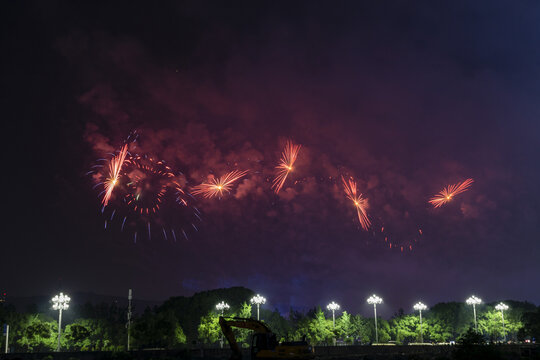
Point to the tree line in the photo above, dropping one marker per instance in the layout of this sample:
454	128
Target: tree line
193	322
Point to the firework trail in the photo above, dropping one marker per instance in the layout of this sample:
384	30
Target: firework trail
115	165
288	157
217	186
446	195
360	203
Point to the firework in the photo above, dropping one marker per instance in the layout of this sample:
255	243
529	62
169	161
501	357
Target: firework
216	186
360	203
449	192
288	158
150	200
115	165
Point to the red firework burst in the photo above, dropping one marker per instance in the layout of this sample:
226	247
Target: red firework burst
447	194
115	165
360	203
216	186
285	166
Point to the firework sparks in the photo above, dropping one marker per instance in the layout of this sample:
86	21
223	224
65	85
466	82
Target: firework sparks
216	186
360	203
448	193
115	165
288	158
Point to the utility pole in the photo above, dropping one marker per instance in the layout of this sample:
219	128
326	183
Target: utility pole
7	337
130	297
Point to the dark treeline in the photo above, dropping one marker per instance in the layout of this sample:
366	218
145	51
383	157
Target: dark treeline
193	321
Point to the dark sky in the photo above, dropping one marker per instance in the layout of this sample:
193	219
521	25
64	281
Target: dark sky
405	97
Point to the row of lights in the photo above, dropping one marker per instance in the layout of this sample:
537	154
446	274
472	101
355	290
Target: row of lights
61	302
374	300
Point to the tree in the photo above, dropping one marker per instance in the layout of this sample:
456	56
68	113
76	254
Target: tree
38	334
436	330
361	329
279	325
453	318
242	335
531	325
319	329
209	329
405	329
158	330
77	336
345	328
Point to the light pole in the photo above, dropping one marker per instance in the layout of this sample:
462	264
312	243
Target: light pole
130	297
374	299
473	300
502	307
222	306
333	307
60	302
419	306
258	300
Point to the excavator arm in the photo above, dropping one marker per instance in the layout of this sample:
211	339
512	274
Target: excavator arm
227	324
264	343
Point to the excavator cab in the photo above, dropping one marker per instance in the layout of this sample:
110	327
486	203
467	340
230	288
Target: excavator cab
264	344
262	341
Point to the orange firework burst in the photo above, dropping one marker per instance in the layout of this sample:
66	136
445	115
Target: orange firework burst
449	192
115	165
360	203
217	186
288	157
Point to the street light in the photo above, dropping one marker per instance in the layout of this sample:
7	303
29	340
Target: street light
222	306
258	300
60	302
374	299
333	307
502	307
473	300
419	306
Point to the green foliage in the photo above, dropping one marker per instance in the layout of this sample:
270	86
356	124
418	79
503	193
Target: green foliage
37	334
157	330
531	325
316	329
209	329
189	310
450	320
405	329
100	336
279	325
78	337
242	335
361	329
344	328
471	337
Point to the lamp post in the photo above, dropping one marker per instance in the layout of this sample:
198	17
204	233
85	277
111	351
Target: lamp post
333	307
502	307
128	325
419	306
258	300
222	306
374	299
60	302
473	300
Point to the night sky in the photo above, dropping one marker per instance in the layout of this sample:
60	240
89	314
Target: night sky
406	97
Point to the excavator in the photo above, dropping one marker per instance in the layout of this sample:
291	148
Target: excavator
264	344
